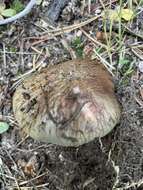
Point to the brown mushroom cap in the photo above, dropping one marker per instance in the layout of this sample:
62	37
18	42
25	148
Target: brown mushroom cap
67	104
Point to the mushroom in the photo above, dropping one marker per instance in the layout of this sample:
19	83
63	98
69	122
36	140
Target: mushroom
68	104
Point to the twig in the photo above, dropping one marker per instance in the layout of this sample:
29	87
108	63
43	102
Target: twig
4	57
93	39
56	32
35	178
21	53
30	187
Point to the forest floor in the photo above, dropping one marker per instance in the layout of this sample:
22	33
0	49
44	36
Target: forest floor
113	162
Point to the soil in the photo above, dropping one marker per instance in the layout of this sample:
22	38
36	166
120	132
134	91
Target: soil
112	162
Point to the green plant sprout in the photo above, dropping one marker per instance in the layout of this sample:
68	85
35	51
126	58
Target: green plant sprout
78	46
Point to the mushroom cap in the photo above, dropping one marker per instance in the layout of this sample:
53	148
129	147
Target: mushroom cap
68	104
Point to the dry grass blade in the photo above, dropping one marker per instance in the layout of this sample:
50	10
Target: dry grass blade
132	32
37	66
105	63
137	52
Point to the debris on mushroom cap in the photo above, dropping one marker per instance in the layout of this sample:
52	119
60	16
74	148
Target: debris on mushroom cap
68	104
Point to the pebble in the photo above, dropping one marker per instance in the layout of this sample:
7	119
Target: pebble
140	66
79	33
98	11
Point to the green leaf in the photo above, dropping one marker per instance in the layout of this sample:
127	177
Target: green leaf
77	45
38	2
1	17
3	127
2	7
118	14
127	14
123	61
17	6
8	12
